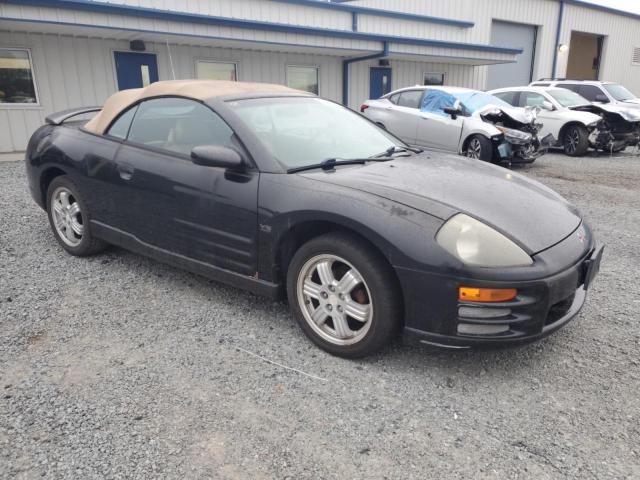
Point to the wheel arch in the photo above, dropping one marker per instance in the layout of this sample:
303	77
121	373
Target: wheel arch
570	123
302	232
46	177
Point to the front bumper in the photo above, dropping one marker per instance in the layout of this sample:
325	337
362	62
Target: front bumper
507	151
540	308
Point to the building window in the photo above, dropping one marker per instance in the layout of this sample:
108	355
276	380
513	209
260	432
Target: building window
303	78
206	70
433	79
17	85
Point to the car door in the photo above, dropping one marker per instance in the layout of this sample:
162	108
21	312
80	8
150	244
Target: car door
436	128
551	122
164	200
404	115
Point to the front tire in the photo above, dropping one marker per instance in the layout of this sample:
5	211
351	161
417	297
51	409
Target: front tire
575	141
69	219
344	295
480	148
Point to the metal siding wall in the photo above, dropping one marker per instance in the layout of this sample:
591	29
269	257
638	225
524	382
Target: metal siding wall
174	27
251	9
79	71
622	35
542	13
405	74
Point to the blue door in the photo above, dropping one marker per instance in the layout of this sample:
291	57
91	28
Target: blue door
135	70
379	82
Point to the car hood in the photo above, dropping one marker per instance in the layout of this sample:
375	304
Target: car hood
493	113
628	113
531	214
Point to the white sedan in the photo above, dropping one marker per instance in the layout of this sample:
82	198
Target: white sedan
558	115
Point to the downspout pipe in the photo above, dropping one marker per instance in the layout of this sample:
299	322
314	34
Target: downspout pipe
557	45
349	61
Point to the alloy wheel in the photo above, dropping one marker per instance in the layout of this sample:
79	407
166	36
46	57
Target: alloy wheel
474	149
334	299
572	140
67	216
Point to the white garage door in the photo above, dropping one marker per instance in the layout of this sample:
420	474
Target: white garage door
513	35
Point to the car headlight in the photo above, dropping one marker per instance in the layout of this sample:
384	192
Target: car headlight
476	244
515	136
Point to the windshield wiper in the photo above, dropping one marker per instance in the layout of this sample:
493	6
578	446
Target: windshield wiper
397	149
330	163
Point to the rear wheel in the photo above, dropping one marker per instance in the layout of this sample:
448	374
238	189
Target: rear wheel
480	148
344	295
575	141
69	218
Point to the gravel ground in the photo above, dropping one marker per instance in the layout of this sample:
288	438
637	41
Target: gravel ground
120	367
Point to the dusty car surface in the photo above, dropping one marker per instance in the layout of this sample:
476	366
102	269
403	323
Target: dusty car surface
459	120
577	123
274	190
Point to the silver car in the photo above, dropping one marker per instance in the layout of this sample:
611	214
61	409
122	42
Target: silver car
459	120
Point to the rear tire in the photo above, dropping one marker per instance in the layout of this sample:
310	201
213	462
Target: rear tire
575	141
480	148
344	295
69	219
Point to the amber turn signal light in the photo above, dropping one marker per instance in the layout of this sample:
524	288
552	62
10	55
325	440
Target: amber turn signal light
472	294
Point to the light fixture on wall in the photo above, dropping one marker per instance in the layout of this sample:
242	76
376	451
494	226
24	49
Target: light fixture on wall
137	46
562	48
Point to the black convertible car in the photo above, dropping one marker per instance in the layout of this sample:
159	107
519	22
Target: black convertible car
272	190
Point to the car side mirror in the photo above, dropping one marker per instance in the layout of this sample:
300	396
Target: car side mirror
602	98
547	105
455	110
216	156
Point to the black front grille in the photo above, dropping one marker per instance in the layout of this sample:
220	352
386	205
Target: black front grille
559	310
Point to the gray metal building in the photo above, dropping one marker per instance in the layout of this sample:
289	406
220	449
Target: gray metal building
57	54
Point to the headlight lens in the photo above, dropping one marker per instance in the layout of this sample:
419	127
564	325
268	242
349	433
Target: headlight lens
515	136
478	245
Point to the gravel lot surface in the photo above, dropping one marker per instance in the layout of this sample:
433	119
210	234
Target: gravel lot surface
120	367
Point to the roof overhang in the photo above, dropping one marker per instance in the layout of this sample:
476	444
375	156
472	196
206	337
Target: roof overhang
127	22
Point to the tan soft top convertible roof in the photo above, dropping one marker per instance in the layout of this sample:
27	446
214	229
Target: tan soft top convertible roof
196	89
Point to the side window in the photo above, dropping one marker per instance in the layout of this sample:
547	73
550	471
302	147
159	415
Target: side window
530	99
510	97
394	98
410	99
120	128
178	125
569	86
539	84
592	93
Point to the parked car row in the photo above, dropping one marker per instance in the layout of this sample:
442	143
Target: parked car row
511	125
283	193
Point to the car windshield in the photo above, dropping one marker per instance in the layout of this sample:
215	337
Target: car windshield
476	100
618	92
567	98
301	131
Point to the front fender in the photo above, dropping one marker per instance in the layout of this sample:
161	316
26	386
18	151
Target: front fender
404	235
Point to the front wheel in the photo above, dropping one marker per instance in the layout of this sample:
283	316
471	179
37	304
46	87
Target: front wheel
344	295
575	141
480	148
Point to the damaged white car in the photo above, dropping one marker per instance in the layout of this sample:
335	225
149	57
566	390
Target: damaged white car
575	122
460	120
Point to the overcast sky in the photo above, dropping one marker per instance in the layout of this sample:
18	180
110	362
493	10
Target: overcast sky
627	5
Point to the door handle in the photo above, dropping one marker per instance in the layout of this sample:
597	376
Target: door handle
125	171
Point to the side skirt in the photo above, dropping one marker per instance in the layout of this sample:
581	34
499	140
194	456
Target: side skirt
130	242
